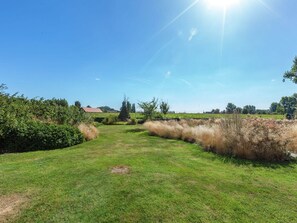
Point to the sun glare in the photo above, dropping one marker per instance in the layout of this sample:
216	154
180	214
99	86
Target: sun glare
222	3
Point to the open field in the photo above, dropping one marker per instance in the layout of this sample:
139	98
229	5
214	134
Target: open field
191	116
165	181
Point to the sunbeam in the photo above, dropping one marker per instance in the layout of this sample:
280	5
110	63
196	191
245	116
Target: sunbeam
223	32
176	18
266	6
155	56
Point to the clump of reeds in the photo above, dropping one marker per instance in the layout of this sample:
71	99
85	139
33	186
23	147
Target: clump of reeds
89	132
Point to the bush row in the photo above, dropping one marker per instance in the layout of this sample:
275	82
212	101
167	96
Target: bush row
32	136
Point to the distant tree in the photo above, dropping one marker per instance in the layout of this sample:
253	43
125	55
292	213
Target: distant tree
108	109
231	108
77	104
215	111
133	109
124	112
280	109
262	111
289	104
292	74
164	107
89	106
149	108
249	109
238	110
129	106
273	107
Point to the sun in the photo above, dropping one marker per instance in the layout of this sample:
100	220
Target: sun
222	3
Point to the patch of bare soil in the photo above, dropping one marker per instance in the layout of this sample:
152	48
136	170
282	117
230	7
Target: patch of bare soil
10	206
120	169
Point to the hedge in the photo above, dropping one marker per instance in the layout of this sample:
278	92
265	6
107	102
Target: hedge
32	136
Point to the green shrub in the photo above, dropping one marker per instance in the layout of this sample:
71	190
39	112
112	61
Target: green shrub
110	120
32	136
132	121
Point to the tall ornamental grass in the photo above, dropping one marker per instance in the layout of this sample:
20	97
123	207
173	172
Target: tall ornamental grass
253	139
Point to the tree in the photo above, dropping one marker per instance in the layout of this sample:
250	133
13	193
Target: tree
238	110
164	107
149	108
273	107
231	108
215	111
124	112
292	74
289	104
249	109
129	106
77	104
280	109
133	109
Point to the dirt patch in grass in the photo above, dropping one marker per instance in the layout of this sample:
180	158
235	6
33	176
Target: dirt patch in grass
10	206
120	169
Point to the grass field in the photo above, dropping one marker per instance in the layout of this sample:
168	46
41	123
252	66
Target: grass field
169	181
190	116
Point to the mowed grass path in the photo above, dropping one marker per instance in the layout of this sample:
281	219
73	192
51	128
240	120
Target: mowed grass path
169	181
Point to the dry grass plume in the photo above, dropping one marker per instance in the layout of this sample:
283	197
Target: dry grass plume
254	139
89	132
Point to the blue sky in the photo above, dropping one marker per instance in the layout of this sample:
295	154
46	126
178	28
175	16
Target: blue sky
97	51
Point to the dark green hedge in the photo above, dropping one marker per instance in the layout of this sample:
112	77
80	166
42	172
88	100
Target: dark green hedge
32	136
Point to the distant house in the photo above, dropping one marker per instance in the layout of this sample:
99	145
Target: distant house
91	110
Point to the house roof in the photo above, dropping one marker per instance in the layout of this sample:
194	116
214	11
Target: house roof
92	110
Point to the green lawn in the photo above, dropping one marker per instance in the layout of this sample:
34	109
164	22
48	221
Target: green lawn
169	181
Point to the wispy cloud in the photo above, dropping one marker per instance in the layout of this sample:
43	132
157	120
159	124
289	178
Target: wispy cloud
193	33
273	80
97	79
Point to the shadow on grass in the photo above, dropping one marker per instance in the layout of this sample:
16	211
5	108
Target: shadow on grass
136	130
254	163
239	161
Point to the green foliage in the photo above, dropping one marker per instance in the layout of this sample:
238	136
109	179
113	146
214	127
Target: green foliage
231	108
249	109
215	111
238	110
129	106
280	109
110	120
292	74
19	114
132	121
124	113
77	104
164	107
273	107
149	108
289	104
31	136
107	109
133	109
